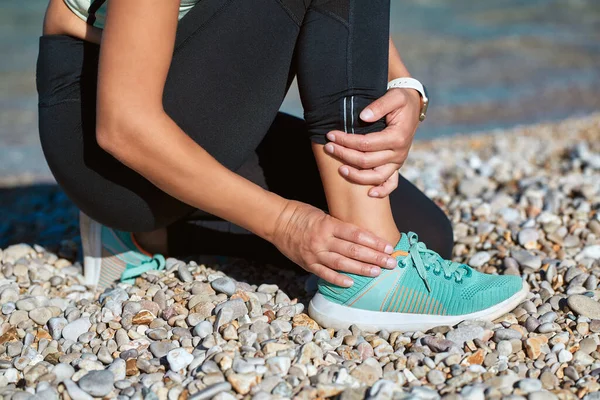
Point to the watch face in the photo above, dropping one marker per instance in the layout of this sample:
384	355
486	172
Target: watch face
425	105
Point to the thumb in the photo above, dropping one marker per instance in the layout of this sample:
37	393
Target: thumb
376	110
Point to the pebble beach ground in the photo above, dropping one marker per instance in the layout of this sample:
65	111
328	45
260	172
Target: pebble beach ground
523	202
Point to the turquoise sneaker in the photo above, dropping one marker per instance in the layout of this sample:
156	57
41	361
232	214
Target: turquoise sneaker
110	255
423	292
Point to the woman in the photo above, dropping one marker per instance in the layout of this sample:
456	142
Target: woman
149	109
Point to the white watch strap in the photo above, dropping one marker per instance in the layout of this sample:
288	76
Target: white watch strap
411	83
407	83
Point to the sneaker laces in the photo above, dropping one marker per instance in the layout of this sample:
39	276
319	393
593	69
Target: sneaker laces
422	258
156	263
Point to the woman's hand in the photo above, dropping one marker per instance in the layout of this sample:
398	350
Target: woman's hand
374	159
322	244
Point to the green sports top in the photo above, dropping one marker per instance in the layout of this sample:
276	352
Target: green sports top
97	8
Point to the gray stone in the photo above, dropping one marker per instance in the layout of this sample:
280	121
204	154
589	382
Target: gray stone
583	305
479	259
463	334
40	315
237	306
97	383
529	385
75	392
526	259
528	238
118	368
74	329
160	349
223	285
184	273
507	334
62	372
436	377
211	391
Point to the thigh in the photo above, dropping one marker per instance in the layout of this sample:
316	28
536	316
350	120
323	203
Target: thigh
227	80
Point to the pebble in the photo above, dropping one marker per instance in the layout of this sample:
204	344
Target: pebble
529	385
241	330
160	349
223	285
184	273
179	359
211	391
74	329
526	259
463	334
97	383
585	306
75	392
479	259
40	315
436	377
528	238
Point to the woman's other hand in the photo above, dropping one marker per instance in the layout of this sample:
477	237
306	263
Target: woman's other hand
374	159
323	245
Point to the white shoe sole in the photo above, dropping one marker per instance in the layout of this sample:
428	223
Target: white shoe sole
91	241
332	315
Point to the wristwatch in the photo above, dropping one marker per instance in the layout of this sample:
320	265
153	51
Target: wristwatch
411	83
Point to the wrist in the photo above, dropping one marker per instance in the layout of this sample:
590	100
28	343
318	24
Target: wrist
413	85
281	211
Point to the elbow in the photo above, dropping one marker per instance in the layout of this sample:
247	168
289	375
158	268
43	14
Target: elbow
118	134
106	137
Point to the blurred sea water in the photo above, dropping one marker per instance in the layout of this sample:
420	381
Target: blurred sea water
487	65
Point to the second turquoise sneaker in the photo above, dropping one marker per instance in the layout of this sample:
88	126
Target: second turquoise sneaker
422	292
110	255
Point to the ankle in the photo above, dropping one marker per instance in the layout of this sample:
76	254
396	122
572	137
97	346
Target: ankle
153	242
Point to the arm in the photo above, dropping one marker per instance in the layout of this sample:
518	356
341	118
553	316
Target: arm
133	126
396	68
136	51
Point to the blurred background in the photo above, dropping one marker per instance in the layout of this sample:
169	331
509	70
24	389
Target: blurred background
487	65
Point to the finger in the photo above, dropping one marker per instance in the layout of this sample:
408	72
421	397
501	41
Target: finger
341	263
390	101
375	177
330	275
354	234
376	141
362	253
388	187
360	159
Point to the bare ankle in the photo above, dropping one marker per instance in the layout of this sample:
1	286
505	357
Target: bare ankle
153	241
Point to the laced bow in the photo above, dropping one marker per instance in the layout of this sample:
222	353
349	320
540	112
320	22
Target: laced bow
422	258
157	262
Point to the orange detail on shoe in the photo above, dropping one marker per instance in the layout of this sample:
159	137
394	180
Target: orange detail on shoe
399	253
139	248
365	292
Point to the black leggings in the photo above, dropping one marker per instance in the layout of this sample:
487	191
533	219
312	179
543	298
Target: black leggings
232	65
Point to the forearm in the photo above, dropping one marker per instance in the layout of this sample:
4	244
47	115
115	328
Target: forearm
396	68
160	151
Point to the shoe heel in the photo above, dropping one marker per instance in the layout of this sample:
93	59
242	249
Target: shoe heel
91	242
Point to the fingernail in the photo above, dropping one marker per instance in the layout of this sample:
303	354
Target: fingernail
375	271
344	171
331	137
366	114
391	262
348	282
374	194
389	249
329	148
